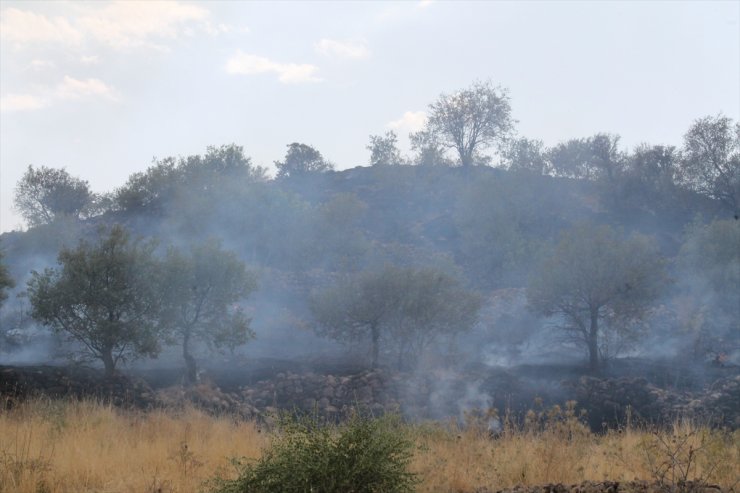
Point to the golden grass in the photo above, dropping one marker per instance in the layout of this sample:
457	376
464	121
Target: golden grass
80	447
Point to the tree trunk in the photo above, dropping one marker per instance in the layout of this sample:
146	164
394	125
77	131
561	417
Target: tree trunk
191	372
593	342
375	331
108	362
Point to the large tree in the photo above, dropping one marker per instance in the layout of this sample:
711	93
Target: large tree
44	194
104	296
471	120
711	159
594	281
409	306
302	159
202	291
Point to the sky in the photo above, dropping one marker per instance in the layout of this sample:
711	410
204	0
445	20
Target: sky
103	88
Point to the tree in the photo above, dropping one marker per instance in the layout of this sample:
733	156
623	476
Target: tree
597	282
302	159
471	120
384	150
201	295
592	158
104	296
44	194
711	159
429	150
5	280
527	155
409	306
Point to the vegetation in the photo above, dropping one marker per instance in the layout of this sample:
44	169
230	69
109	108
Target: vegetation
103	296
82	447
597	282
300	160
201	291
5	280
362	455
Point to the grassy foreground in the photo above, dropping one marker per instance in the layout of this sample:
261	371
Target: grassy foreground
55	447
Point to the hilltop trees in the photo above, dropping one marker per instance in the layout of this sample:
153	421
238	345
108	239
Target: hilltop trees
408	306
384	150
5	280
302	159
711	159
471	120
44	194
596	282
201	292
103	296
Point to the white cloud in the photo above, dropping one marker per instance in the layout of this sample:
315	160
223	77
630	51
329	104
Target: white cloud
71	88
342	49
411	121
90	59
288	73
21	102
121	25
39	65
22	26
422	4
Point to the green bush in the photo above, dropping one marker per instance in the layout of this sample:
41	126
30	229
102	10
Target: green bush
362	455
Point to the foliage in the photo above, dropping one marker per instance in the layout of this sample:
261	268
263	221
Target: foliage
527	155
591	158
362	455
44	194
300	160
171	177
410	306
471	120
384	150
201	295
103	295
5	280
429	150
339	236
711	159
597	282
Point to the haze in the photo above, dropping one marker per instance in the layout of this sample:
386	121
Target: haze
102	88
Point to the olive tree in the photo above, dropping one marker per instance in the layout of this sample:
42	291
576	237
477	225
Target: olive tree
410	307
302	159
471	120
104	296
5	280
596	282
202	290
44	194
384	150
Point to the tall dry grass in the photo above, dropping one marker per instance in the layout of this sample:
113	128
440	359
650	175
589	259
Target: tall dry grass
64	447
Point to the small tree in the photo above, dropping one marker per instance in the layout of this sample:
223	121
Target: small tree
429	150
44	194
592	158
596	281
384	150
104	296
527	155
302	159
711	159
202	290
409	306
471	120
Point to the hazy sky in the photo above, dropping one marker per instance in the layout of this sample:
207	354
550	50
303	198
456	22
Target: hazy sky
102	88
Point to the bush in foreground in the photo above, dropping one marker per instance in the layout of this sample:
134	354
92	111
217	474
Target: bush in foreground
362	455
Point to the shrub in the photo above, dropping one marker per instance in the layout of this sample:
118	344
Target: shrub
362	455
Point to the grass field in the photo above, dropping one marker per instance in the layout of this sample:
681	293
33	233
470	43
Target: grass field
77	447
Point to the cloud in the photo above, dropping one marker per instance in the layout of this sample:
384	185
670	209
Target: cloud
71	88
288	73
21	102
342	49
22	26
90	59
121	25
40	65
411	121
422	4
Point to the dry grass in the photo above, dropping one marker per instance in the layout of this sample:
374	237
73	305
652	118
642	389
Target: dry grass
55	447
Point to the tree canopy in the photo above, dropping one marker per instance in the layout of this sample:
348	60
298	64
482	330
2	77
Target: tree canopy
104	296
471	120
384	150
5	280
408	306
302	159
202	291
596	282
44	194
